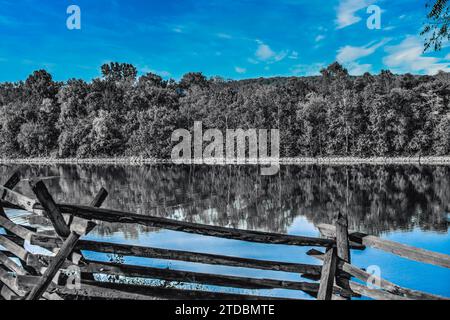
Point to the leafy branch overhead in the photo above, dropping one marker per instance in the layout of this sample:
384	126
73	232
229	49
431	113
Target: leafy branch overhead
437	27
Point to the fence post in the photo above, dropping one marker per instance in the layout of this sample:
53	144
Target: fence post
97	203
328	274
53	212
342	242
343	249
99	198
79	228
10	184
55	265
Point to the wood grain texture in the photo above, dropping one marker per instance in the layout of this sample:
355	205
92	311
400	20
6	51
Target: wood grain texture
384	284
157	253
402	250
54	266
52	210
328	275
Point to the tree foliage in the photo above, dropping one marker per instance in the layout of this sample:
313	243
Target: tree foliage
121	114
437	28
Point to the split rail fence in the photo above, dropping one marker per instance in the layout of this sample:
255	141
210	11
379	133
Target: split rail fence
27	275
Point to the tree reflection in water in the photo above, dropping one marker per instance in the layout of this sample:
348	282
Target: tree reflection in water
381	198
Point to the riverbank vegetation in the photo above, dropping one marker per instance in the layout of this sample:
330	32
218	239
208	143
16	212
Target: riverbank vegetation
123	115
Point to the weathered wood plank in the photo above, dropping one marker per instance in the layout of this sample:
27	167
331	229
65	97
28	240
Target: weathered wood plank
328	275
19	201
11	265
402	250
16	229
158	222
107	215
11	282
87	291
11	288
17	240
119	291
384	284
15	249
7	253
157	253
7	293
78	230
89	267
11	183
195	277
101	196
2	212
54	266
53	212
374	293
342	242
96	202
342	247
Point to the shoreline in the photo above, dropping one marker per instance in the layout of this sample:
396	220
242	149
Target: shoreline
431	160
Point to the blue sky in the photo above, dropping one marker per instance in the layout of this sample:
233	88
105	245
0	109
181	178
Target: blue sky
233	39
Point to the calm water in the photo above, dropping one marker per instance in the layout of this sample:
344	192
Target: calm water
408	204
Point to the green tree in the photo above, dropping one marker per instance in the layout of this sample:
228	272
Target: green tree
115	71
437	28
193	79
11	119
106	137
40	86
312	117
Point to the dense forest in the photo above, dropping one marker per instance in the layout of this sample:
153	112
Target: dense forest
123	115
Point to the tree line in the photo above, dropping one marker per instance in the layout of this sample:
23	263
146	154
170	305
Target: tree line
122	115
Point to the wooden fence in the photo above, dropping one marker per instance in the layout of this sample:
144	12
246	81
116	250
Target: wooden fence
30	276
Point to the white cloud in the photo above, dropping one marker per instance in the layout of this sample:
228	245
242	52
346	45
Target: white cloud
356	69
349	53
307	69
347	9
266	54
293	55
408	56
240	70
320	37
447	57
162	73
280	56
224	36
349	56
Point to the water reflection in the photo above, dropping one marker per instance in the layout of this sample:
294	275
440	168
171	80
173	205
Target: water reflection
378	198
